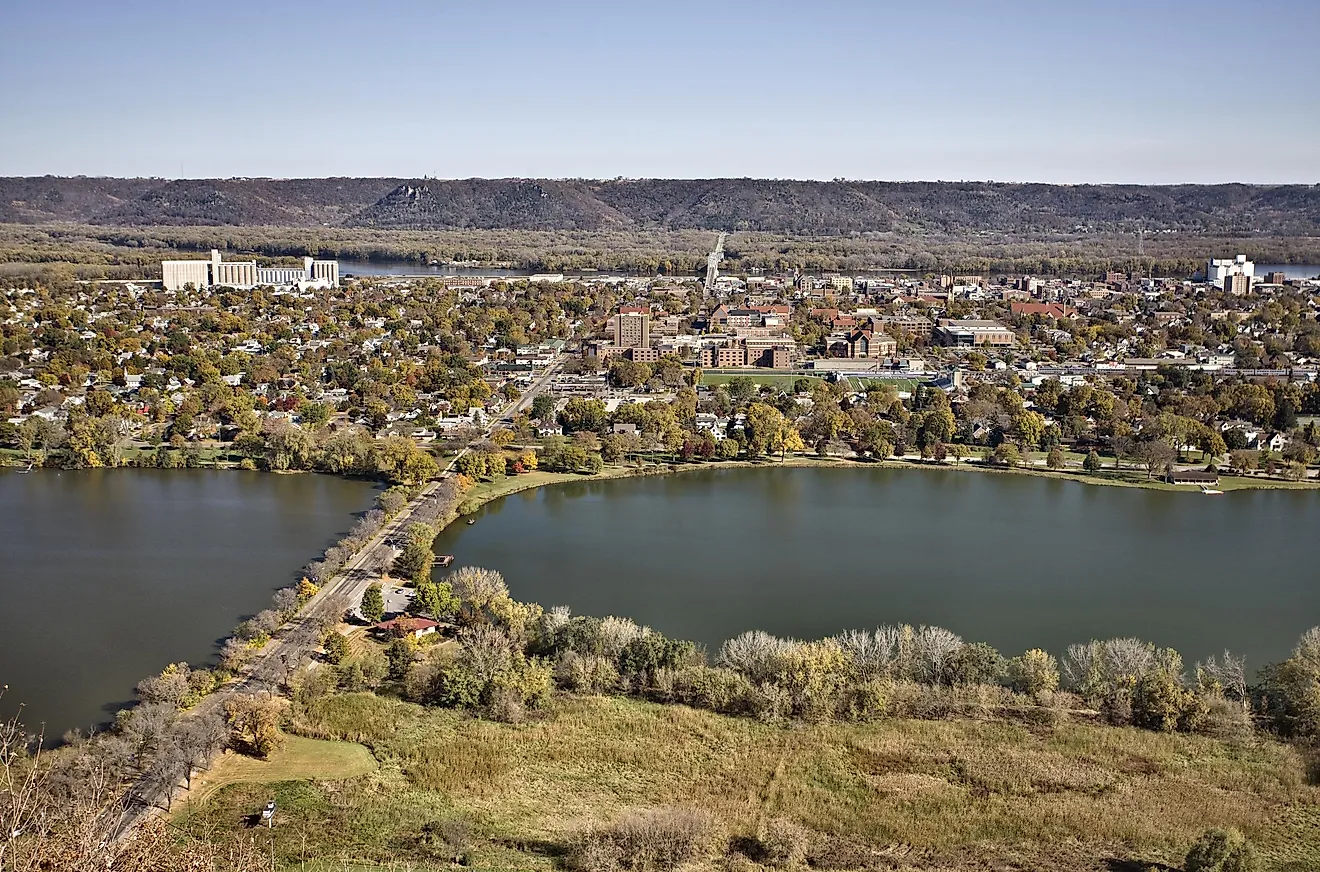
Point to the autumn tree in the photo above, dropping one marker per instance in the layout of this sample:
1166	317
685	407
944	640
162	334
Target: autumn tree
254	721
765	428
1156	455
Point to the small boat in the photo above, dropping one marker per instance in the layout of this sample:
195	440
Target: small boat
1209	490
471	522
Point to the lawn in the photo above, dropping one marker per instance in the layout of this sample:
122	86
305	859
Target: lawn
959	794
298	758
859	383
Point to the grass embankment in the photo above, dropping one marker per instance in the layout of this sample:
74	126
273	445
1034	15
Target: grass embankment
485	491
953	795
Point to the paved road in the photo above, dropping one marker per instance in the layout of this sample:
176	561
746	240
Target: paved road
512	410
271	669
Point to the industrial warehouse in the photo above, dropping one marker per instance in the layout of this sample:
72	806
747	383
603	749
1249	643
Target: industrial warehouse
213	273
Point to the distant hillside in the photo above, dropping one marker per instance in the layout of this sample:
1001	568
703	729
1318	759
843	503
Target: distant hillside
790	207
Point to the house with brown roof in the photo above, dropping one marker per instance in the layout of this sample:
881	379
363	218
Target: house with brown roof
408	626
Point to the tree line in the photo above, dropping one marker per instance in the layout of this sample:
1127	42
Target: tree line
511	655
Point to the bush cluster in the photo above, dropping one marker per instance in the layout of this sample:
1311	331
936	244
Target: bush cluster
510	654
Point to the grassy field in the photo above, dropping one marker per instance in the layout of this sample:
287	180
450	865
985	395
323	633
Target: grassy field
934	794
859	383
298	758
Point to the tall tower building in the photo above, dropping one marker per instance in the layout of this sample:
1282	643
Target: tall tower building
632	327
1237	284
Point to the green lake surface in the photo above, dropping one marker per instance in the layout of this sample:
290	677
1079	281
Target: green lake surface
1017	561
106	576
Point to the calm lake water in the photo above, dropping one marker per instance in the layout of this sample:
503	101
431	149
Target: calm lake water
1013	560
106	576
1291	270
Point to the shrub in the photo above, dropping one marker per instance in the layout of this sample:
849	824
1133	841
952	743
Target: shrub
813	673
1035	672
1222	851
448	684
866	700
1225	719
586	673
770	702
645	655
450	839
936	702
1116	708
974	663
504	704
647	839
784	844
528	681
753	654
336	648
713	688
1160	703
617	633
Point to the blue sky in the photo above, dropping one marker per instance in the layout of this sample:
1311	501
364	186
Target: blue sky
1067	91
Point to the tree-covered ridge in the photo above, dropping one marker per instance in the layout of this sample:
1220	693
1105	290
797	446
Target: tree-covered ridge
780	206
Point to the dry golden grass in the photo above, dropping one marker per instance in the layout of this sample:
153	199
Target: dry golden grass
945	792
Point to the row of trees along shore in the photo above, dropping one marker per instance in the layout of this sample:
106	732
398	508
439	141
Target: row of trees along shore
512	656
93	442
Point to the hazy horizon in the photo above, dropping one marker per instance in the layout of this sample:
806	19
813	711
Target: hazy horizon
1025	91
399	178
